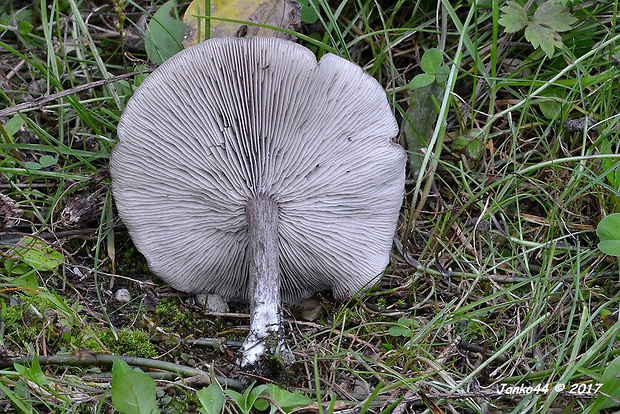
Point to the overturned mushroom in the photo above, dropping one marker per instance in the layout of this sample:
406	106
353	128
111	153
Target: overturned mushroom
247	169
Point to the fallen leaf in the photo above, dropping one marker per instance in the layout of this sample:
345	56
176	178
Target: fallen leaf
279	13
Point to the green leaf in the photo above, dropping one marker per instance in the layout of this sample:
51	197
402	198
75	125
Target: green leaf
308	15
431	61
554	15
164	34
288	400
470	144
246	401
553	107
13	125
120	367
133	391
397	331
33	372
31	165
261	404
24	27
38	254
239	399
254	394
212	399
442	74
608	231
402	329
47	161
27	279
543	37
611	387
421	80
8	265
513	18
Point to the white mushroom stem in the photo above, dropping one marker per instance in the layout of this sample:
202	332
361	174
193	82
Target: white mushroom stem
264	272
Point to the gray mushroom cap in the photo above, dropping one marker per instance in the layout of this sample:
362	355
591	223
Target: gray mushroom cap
232	118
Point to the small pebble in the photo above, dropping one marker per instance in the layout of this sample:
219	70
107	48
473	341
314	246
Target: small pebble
122	296
211	302
308	309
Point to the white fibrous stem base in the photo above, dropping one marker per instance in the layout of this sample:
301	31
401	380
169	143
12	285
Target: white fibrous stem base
265	337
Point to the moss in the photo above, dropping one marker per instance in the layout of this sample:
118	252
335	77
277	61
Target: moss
168	312
91	340
135	343
179	401
130	261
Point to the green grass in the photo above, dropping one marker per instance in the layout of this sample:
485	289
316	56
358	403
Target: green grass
495	277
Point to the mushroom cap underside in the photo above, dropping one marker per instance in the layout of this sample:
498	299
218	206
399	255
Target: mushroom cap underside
232	118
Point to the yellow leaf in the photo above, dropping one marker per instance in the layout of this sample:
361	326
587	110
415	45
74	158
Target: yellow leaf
280	13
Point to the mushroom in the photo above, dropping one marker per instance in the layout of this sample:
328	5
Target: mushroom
247	169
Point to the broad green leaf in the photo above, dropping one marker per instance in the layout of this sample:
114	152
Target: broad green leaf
288	400
543	37
550	108
405	322
399	330
610	247
261	404
431	61
308	14
47	161
8	265
164	34
402	329
31	165
608	231
38	254
24	27
212	399
611	387
554	15
133	391
120	367
553	107
239	399
442	74
513	17
27	279
254	394
421	80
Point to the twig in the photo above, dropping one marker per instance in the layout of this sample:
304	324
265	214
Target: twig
14	237
55	96
99	359
213	343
